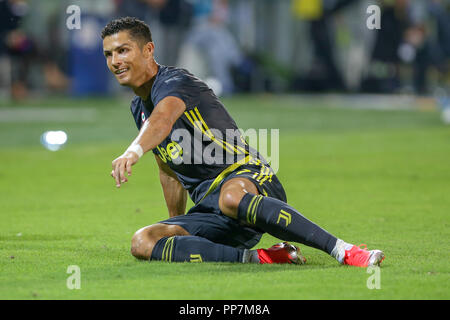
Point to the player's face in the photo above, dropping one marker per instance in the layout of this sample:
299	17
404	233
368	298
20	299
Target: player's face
125	59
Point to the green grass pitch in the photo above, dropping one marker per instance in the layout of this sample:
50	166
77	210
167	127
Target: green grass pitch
367	176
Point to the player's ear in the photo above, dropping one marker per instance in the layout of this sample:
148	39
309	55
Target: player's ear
148	50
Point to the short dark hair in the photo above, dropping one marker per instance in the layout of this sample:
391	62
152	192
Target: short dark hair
137	29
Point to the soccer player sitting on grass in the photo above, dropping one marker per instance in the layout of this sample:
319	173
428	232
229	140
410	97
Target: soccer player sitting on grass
235	201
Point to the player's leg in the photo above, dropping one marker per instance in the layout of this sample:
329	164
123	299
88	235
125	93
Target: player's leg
239	199
145	239
172	243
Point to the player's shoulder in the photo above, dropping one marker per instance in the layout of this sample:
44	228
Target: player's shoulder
177	82
168	75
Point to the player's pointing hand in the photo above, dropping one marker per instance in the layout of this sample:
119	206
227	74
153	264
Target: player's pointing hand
122	165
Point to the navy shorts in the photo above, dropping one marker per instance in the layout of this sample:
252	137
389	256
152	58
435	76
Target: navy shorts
206	220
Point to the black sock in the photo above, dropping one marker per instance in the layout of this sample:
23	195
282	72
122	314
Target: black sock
196	249
284	222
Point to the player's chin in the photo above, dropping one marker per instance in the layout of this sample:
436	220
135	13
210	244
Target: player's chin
123	81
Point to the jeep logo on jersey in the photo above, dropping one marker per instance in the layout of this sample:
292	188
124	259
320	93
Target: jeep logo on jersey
171	152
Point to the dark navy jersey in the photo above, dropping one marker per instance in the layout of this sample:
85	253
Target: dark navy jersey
205	140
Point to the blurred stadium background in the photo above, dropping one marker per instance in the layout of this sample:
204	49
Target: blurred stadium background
363	139
251	46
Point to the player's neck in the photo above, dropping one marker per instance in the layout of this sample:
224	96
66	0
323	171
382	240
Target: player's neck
145	89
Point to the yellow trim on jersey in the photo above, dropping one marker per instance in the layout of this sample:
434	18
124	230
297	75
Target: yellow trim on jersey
203	121
243	171
200	124
194	123
211	136
226	146
225	173
267	176
261	173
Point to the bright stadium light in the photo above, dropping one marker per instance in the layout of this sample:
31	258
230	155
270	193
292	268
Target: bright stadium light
53	140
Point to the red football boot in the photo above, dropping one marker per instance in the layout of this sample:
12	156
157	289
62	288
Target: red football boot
361	257
281	253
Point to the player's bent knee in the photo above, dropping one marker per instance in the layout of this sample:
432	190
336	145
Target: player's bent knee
232	193
229	201
145	238
142	243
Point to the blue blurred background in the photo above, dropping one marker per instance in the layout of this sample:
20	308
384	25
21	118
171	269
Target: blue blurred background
237	46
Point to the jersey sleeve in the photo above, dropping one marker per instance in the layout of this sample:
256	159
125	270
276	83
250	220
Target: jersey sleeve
136	112
177	85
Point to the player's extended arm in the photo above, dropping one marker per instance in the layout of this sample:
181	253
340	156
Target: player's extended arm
174	193
152	133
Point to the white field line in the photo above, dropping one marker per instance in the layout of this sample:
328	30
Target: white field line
33	115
